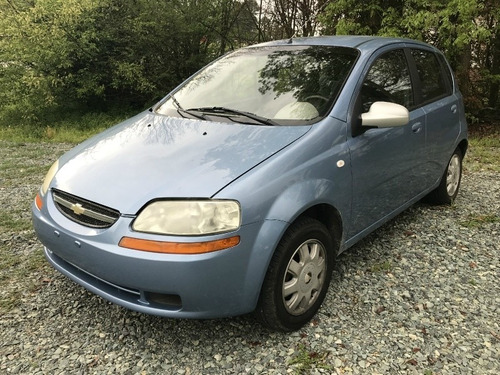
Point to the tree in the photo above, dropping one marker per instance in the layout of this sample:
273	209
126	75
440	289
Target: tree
466	30
104	53
280	19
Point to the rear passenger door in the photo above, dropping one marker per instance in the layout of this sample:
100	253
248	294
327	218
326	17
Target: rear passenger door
441	106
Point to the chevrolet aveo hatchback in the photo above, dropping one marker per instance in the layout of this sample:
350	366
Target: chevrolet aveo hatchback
236	192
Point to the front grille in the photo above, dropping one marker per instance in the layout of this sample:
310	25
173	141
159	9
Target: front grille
83	211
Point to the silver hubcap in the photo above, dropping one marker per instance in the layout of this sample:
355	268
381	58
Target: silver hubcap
304	277
453	175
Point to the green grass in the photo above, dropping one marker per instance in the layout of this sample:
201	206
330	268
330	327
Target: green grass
381	267
307	360
472	282
13	172
476	221
484	149
57	134
15	221
73	127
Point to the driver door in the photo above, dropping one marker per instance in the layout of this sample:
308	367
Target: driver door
385	161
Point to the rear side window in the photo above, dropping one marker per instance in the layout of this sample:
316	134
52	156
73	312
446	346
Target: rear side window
434	84
388	80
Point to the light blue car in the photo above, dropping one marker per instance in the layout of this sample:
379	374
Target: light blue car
238	190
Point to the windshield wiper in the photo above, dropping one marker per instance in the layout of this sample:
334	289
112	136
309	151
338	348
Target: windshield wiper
181	110
228	112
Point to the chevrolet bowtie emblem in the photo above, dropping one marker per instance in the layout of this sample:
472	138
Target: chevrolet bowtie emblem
77	208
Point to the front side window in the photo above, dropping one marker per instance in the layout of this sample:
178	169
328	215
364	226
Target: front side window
388	80
285	84
433	83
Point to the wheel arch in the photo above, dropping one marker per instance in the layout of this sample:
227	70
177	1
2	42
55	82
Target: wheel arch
463	146
330	217
328	201
327	215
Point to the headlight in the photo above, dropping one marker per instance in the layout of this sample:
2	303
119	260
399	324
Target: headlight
50	175
185	218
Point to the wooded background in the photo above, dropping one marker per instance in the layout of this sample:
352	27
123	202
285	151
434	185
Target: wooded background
57	55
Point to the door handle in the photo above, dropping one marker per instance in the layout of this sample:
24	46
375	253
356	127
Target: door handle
416	127
454	108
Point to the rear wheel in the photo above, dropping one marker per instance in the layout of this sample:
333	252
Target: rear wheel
298	276
447	190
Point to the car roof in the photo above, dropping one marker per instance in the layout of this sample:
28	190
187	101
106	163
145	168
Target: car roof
362	43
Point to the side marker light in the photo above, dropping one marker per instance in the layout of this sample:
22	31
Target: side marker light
38	202
178	247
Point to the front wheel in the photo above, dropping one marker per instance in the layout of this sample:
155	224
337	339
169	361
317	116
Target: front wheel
298	276
447	190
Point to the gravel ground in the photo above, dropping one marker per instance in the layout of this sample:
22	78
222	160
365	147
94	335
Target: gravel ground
419	296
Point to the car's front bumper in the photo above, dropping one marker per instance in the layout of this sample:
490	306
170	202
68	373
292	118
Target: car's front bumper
217	284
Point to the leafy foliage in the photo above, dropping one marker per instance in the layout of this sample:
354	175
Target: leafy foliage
64	53
57	55
468	31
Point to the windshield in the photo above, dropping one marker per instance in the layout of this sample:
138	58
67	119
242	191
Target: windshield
266	85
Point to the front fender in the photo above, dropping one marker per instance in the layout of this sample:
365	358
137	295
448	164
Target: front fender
314	170
303	195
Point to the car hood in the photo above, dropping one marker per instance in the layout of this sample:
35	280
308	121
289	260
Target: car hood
152	156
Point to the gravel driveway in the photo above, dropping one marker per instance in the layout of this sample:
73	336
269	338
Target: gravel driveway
419	296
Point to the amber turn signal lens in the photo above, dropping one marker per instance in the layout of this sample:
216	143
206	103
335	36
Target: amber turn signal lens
178	247
38	202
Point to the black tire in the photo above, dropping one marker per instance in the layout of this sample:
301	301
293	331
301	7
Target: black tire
303	261
447	190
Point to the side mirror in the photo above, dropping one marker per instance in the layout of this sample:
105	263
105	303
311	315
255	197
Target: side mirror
385	115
